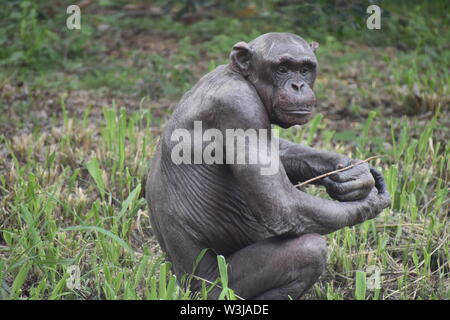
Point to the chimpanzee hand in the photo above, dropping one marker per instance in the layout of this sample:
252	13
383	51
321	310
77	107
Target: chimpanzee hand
377	200
353	184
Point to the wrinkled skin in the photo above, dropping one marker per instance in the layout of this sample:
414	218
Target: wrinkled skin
268	231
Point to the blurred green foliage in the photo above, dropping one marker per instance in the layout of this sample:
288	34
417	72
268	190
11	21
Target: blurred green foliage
70	166
33	33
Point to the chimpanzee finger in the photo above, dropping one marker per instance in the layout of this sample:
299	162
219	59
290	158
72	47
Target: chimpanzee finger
351	196
380	184
351	174
385	199
363	183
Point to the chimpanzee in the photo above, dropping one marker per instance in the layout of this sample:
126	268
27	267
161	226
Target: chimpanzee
268	231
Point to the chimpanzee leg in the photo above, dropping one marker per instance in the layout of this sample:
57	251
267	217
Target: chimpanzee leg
276	268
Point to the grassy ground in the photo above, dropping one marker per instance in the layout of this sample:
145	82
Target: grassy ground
81	112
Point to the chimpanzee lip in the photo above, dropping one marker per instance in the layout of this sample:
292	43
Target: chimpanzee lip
298	111
307	109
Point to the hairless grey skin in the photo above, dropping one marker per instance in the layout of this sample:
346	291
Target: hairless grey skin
268	231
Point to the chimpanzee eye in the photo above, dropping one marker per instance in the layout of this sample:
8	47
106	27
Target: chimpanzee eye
304	70
282	69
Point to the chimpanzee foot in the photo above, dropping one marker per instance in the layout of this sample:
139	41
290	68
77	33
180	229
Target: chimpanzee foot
277	268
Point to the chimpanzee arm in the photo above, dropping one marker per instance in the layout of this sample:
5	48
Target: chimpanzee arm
281	208
303	163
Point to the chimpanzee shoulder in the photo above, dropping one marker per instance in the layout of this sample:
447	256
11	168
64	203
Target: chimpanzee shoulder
226	95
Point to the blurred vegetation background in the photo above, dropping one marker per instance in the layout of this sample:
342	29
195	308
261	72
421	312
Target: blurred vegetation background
80	112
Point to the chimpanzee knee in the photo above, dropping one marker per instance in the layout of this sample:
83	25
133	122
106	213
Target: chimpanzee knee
298	266
309	254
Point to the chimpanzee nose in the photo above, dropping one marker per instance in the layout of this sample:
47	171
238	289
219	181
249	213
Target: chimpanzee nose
297	86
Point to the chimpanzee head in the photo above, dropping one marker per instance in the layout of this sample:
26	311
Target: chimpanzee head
282	67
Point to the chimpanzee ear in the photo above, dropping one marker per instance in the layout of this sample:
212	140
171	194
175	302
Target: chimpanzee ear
240	57
314	45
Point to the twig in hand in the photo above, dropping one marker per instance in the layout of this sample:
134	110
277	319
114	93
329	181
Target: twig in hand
336	171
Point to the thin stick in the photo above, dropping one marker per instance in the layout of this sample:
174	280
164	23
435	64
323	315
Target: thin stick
336	171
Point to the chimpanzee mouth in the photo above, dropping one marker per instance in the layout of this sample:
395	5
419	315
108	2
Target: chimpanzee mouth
298	111
307	109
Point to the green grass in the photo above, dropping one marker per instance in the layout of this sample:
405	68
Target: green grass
82	211
409	242
70	179
72	198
